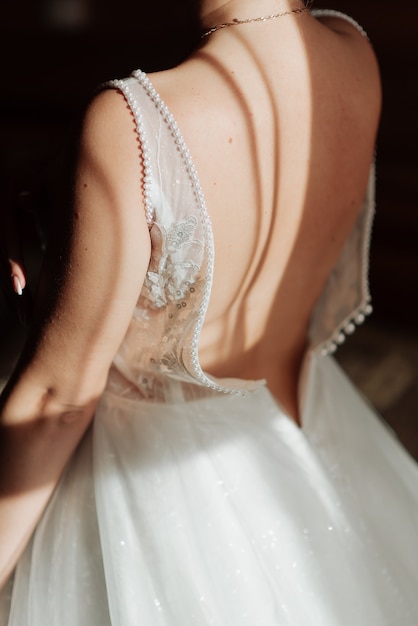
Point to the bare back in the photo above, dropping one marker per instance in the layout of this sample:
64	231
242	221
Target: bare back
280	119
281	122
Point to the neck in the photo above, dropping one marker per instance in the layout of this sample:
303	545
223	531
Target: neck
215	12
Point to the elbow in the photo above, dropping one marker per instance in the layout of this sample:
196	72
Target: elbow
65	410
72	396
55	397
51	406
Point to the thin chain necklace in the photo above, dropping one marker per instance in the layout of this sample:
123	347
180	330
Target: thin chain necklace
251	20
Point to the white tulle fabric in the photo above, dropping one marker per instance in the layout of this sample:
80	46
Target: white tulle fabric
221	511
197	502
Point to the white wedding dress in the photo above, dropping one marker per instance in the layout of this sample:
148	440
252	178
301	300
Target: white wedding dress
196	502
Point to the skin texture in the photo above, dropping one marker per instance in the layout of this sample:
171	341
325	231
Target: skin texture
283	176
281	120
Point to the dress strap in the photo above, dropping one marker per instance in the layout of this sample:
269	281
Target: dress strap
318	13
345	300
125	88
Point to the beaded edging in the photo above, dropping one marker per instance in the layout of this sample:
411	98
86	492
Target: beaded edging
207	227
145	150
359	314
343	16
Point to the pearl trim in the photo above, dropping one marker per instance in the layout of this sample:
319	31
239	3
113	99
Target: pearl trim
197	372
123	87
339	14
358	316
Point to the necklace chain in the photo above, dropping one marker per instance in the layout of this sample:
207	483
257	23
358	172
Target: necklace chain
251	20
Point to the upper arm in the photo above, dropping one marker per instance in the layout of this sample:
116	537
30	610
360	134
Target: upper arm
102	261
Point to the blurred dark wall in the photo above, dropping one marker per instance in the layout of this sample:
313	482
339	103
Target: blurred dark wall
55	52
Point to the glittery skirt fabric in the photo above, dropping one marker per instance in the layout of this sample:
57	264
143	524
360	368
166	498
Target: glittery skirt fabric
223	512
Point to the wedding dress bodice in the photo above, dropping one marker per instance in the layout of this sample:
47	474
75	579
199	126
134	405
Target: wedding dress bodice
162	341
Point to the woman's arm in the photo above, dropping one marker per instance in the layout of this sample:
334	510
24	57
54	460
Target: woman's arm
87	294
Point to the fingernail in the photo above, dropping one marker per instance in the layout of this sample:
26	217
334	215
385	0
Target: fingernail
17	286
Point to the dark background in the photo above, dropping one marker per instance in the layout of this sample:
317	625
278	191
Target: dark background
56	52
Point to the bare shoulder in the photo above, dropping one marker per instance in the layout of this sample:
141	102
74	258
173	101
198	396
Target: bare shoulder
108	130
354	40
110	159
107	103
344	25
353	61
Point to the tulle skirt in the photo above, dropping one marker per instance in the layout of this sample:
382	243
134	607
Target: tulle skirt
222	511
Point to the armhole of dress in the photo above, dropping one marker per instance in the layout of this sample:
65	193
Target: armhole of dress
340	15
144	151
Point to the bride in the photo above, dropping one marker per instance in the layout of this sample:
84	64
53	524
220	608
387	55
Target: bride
178	445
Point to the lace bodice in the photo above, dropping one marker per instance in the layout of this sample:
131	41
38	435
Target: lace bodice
161	345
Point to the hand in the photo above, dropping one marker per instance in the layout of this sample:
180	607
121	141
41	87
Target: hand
14	231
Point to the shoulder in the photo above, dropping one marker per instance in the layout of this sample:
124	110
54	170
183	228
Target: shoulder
340	23
109	147
352	38
353	60
107	124
348	31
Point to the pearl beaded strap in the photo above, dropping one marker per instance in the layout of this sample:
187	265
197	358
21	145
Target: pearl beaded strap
122	86
168	117
339	14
